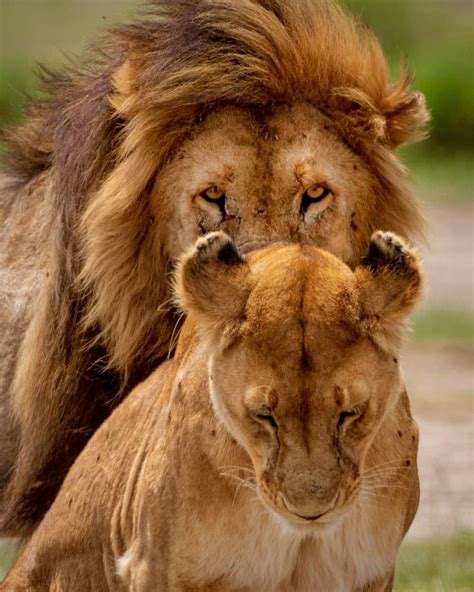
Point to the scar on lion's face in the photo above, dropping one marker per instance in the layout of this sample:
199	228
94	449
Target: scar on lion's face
283	177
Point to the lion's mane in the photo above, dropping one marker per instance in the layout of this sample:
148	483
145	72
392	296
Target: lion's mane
103	319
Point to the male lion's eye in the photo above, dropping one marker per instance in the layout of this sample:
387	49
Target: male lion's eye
215	196
314	195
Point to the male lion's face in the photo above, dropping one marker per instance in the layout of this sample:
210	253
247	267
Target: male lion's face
301	367
282	176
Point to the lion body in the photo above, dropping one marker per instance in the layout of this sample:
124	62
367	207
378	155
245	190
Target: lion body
107	184
160	499
26	243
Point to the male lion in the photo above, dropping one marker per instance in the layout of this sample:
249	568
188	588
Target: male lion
271	119
275	452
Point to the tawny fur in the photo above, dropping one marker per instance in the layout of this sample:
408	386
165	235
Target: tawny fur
189	486
113	161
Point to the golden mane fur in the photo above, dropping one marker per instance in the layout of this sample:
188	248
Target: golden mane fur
104	316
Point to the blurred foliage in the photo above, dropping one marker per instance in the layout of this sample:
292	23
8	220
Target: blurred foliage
443	324
434	36
46	32
8	553
437	566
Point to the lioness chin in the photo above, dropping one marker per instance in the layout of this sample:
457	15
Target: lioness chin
275	452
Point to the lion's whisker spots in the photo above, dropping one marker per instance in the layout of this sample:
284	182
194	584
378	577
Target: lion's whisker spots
387	472
398	461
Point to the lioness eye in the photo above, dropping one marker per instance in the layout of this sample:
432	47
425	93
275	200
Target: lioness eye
266	418
348	416
313	195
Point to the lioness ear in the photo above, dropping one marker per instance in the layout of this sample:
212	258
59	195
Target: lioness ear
212	281
390	282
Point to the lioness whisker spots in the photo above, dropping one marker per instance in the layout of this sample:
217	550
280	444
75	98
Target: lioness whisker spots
396	461
236	478
401	472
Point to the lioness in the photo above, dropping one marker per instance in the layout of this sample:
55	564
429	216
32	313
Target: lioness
275	452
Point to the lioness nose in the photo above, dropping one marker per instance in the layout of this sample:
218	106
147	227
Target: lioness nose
308	511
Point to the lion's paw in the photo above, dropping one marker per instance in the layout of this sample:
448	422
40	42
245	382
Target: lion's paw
387	249
217	246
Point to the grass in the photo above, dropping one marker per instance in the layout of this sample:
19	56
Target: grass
445	565
7	557
440	176
443	324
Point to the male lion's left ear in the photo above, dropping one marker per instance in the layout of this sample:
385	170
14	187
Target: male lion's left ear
405	113
390	282
394	116
212	281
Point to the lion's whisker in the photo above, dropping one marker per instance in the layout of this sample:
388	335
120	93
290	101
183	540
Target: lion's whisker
174	335
390	462
237	468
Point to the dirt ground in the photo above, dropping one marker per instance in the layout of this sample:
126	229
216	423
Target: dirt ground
448	260
440	382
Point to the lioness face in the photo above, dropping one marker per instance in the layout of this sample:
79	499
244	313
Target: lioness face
305	406
302	361
299	386
282	176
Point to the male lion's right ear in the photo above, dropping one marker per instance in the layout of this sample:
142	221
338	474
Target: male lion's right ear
390	283
212	281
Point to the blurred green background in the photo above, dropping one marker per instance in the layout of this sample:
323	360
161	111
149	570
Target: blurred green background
434	36
436	39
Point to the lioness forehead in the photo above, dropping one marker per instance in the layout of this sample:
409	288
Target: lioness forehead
304	304
302	283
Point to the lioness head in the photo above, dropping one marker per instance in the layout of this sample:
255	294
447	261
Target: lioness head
302	360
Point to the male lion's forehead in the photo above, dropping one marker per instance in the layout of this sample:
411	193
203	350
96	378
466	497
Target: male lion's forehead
289	134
